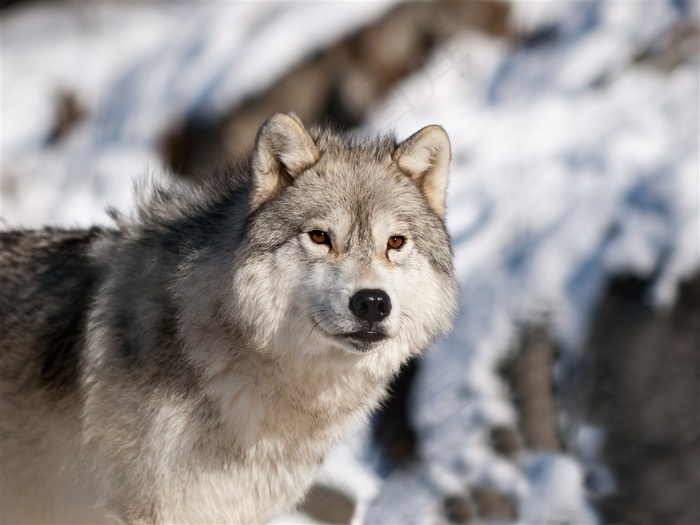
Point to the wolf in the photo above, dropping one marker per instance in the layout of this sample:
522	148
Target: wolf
196	362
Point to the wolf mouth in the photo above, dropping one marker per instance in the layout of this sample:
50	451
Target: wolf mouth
362	341
367	337
361	338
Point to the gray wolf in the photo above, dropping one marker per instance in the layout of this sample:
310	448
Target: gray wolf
194	364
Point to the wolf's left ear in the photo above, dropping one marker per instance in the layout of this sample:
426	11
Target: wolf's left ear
425	157
283	149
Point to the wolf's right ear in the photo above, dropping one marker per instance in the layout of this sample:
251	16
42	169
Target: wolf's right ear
283	149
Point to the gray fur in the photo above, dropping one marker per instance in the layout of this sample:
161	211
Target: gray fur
193	366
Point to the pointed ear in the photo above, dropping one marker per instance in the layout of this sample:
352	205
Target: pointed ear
425	157
283	149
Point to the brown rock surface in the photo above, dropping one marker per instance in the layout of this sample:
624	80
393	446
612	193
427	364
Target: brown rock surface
493	505
646	391
459	509
327	505
528	374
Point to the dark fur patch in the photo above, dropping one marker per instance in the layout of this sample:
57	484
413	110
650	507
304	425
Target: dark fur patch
128	351
59	343
70	279
48	281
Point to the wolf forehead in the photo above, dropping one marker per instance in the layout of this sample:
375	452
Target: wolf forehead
319	170
354	179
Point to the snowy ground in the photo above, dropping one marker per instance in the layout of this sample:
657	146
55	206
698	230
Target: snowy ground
568	163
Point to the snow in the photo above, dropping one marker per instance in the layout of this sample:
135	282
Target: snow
568	164
556	488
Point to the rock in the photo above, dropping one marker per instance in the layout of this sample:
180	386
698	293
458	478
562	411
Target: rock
492	505
459	509
328	505
528	374
505	441
646	391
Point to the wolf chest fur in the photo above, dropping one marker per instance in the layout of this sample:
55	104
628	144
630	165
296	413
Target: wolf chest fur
196	363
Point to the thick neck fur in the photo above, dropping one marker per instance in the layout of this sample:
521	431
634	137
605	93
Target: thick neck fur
303	398
288	410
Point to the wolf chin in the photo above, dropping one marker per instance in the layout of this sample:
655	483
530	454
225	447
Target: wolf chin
196	363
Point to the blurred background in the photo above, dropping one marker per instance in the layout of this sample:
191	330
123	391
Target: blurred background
569	391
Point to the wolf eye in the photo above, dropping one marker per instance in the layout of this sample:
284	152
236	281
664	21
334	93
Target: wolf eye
396	241
320	237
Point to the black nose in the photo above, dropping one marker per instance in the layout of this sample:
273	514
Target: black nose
370	305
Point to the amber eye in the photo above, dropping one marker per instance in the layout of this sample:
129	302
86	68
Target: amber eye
396	241
320	237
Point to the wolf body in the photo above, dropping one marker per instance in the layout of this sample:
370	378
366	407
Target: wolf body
195	364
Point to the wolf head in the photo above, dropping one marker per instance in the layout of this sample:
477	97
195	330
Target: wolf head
345	251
